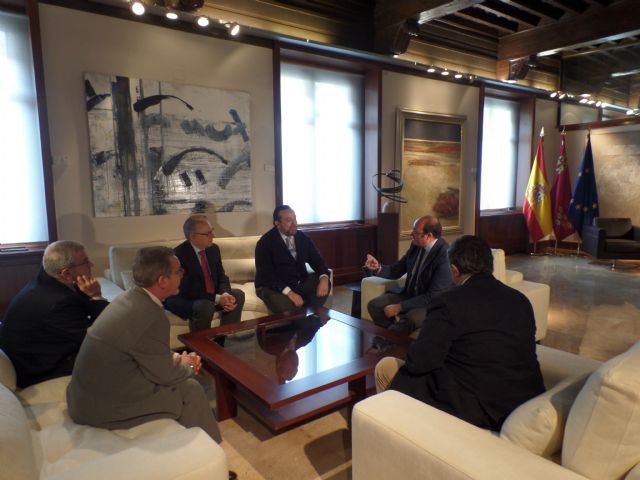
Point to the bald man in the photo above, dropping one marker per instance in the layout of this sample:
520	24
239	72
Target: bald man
427	268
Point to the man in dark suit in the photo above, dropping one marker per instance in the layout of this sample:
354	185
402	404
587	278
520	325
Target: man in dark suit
282	280
48	319
475	357
204	288
427	268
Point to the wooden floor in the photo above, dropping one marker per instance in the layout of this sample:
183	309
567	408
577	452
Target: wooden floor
593	312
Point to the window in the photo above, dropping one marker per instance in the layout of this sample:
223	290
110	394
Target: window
322	155
499	154
22	202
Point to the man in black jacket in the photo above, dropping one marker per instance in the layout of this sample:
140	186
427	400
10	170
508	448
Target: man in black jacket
205	287
475	357
403	310
48	319
282	280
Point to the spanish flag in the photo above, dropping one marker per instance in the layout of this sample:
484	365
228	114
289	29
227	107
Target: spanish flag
537	202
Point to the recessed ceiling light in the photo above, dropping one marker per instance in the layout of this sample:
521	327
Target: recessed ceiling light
431	69
458	75
137	8
444	73
171	15
203	21
553	94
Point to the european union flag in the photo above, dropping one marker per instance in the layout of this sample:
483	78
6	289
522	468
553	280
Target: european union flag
584	204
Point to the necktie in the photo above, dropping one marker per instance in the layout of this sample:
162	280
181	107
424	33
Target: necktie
415	272
206	273
291	246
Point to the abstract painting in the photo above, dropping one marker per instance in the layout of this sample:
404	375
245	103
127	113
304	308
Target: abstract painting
158	147
430	152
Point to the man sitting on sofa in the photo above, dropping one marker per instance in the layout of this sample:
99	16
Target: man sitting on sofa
425	263
48	319
475	357
204	287
282	280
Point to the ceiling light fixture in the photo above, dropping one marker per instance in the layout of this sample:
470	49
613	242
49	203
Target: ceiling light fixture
444	73
171	15
598	103
584	100
431	69
458	75
203	21
138	8
553	94
234	28
630	111
562	95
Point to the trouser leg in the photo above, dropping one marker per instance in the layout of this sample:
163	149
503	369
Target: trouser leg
234	315
386	369
201	315
195	409
376	308
309	288
409	321
276	302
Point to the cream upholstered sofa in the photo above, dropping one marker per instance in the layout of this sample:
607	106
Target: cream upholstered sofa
586	426
38	440
537	293
238	260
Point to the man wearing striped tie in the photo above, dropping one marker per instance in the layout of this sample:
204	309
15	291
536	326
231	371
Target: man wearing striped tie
204	288
427	267
282	280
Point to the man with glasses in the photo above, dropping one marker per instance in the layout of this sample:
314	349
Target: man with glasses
48	319
427	268
205	287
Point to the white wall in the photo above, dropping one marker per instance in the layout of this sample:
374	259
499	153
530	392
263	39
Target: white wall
76	42
432	96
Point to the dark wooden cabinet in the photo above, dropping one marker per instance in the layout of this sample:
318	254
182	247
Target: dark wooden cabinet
505	230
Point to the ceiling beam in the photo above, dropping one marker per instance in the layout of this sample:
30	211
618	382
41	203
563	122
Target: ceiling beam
611	23
538	8
509	11
481	16
578	6
393	12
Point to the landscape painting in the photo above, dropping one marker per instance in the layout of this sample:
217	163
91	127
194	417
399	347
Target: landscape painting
158	147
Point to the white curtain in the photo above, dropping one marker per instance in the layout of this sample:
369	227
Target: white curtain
322	143
23	216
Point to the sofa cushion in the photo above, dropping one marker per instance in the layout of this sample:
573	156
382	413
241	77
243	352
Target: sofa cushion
538	425
622	245
16	450
602	435
7	372
240	270
53	390
127	279
499	265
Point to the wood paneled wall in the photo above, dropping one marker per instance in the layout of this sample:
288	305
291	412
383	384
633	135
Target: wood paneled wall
506	230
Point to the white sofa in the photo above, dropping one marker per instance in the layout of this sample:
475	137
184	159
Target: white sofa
537	293
238	260
38	440
586	426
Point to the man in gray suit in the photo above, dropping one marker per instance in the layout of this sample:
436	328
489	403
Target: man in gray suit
125	374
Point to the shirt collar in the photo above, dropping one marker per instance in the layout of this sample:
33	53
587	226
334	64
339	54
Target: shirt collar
196	249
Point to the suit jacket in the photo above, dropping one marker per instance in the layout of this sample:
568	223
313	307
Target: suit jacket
124	373
275	266
475	357
433	278
192	286
44	327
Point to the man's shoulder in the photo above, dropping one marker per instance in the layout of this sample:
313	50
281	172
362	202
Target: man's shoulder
182	248
267	237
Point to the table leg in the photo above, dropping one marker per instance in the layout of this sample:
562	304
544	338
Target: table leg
226	405
358	389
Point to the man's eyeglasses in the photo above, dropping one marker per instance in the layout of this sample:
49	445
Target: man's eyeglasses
206	234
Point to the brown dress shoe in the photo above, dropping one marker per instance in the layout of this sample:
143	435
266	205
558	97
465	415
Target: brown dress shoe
232	475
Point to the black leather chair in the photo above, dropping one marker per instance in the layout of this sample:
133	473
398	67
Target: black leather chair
612	239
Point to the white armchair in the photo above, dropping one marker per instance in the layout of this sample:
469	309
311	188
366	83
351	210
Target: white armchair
537	293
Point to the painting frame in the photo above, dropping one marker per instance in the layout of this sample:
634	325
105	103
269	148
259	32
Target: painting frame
429	153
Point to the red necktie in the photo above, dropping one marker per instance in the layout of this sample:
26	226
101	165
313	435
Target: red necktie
208	281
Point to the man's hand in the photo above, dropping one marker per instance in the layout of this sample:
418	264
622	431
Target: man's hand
227	302
323	287
89	286
297	300
372	264
191	359
392	310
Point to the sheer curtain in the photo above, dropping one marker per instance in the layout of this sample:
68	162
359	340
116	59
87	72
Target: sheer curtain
23	213
499	154
321	143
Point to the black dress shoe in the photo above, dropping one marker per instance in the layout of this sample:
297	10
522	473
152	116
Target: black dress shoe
232	475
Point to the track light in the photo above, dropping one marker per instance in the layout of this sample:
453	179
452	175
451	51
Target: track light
458	75
431	69
444	73
562	95
203	21
171	15
553	94
138	8
234	28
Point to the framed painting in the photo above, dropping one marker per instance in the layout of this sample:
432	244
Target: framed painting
429	150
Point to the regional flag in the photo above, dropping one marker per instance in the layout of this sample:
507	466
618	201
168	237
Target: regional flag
537	204
561	196
584	204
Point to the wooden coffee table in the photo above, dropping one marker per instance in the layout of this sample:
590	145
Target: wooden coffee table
289	368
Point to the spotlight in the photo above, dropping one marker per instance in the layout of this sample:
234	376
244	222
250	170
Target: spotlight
137	8
585	95
553	94
458	75
562	95
203	21
444	73
171	15
630	112
598	103
431	69
584	100
234	29
591	102
395	55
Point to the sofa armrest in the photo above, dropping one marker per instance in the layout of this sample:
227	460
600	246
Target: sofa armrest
396	436
593	240
311	270
186	454
371	287
109	289
538	294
